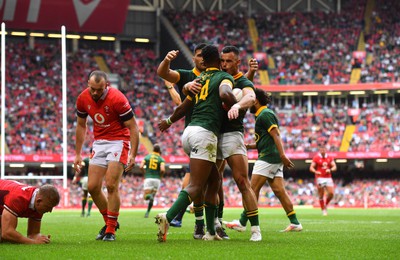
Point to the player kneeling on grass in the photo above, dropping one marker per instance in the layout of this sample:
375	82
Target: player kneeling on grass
270	163
18	200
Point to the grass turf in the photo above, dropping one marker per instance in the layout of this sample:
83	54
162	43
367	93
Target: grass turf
344	234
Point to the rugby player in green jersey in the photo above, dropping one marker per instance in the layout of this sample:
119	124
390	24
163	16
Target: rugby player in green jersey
270	163
231	145
155	169
184	79
82	177
200	141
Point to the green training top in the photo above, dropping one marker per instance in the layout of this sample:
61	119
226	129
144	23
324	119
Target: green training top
186	76
241	82
153	162
266	120
208	111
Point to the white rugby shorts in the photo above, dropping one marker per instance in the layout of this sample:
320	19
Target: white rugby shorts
200	143
229	144
267	169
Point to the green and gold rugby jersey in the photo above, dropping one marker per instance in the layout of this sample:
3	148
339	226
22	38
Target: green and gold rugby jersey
186	76
153	162
208	111
241	82
266	120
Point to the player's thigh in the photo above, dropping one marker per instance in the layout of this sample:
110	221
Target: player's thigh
330	189
200	172
114	172
96	176
277	184
257	182
239	166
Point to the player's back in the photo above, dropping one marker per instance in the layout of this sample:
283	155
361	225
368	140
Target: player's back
208	111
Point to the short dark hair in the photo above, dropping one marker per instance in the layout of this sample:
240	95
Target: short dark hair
210	55
231	48
262	97
199	46
51	193
156	148
98	75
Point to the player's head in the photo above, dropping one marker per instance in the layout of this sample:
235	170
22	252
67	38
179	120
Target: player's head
211	56
157	148
97	83
198	57
322	149
46	199
262	99
230	60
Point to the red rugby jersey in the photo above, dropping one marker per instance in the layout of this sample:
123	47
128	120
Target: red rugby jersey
18	199
106	113
322	164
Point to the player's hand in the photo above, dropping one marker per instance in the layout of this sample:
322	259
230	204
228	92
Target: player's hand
41	239
131	163
171	55
76	179
287	162
78	164
233	113
163	125
253	65
193	87
328	171
317	172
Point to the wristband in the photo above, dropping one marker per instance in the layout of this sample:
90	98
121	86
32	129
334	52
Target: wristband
237	106
169	122
169	87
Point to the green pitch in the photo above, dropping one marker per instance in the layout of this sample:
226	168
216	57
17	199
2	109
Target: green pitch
344	234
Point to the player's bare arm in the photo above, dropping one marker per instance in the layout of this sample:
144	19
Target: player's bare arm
80	138
226	94
9	231
248	100
274	132
173	93
332	168
312	168
253	67
142	170
162	169
34	231
164	70
134	140
179	113
251	146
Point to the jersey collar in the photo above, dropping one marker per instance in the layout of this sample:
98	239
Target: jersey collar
238	75
260	110
32	202
196	71
212	68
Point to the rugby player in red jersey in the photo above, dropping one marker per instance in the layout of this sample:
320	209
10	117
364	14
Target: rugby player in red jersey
322	166
114	149
19	200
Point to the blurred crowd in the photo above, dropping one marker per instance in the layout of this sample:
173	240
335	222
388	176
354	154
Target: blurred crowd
305	48
358	193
